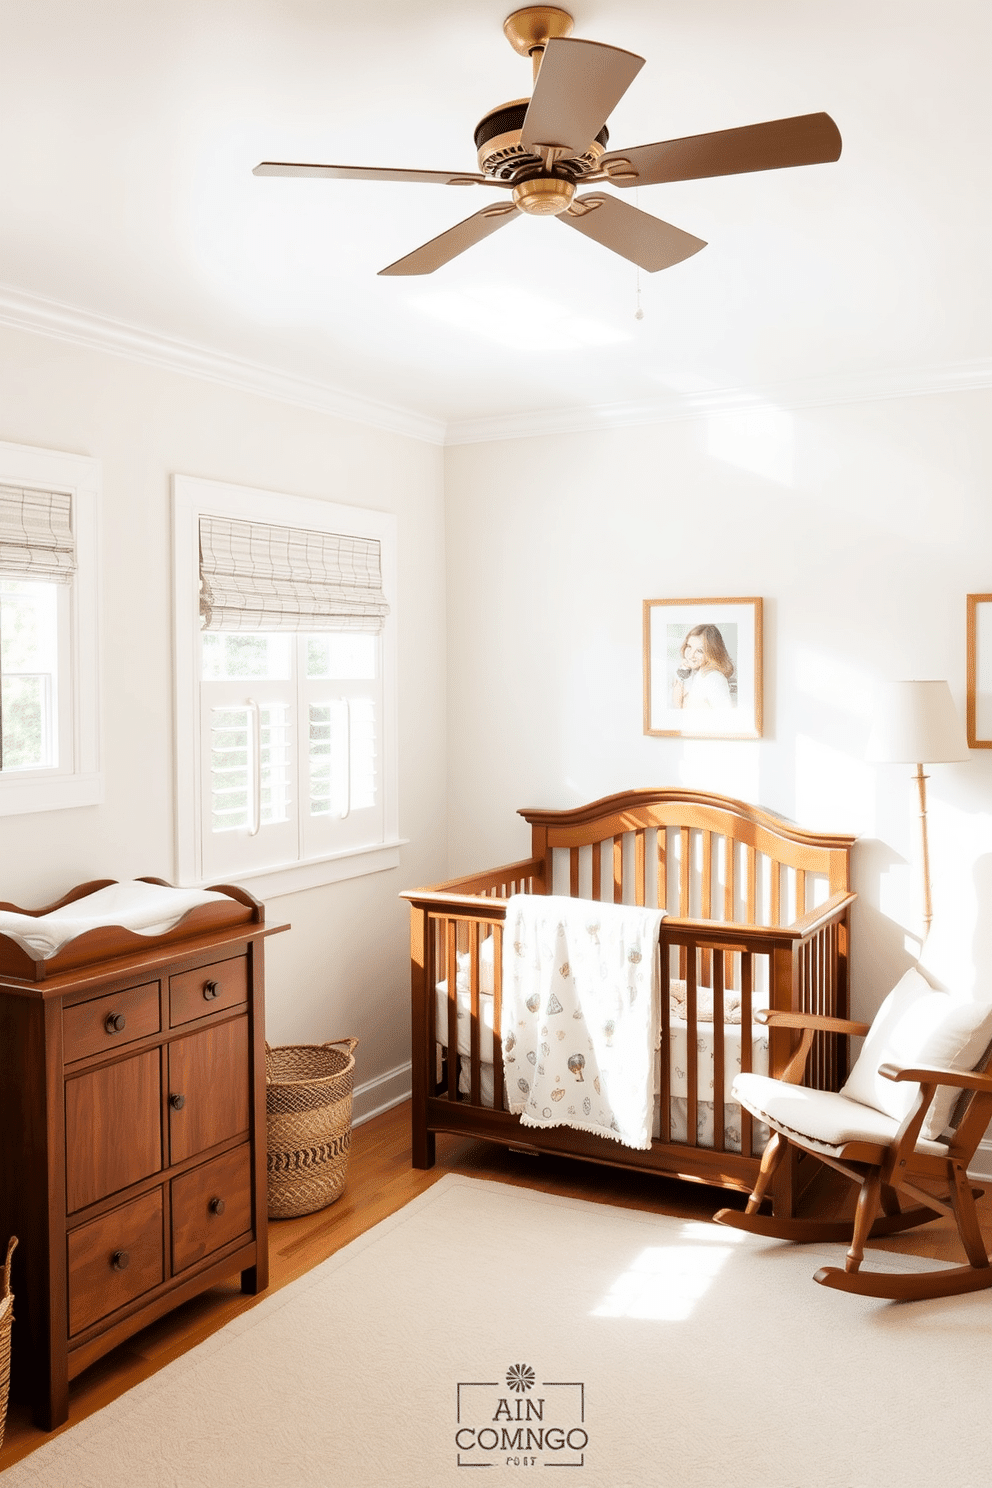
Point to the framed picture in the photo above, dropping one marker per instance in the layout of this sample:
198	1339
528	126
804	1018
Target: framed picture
979	708
702	668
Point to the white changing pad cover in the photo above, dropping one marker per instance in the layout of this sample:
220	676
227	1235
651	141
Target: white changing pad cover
147	909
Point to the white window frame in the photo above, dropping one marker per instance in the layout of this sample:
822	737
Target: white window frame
193	498
77	779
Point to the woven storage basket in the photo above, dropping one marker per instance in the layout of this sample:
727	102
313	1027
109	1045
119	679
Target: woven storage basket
308	1101
6	1319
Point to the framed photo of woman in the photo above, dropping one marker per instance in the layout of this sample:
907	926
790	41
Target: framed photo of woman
702	668
979	704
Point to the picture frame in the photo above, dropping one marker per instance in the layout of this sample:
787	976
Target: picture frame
702	668
979	698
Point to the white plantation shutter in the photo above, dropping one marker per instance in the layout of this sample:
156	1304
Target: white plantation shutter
36	540
258	577
237	735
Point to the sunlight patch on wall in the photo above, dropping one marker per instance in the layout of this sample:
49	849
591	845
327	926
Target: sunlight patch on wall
832	679
730	766
664	1283
526	322
835	790
761	441
897	897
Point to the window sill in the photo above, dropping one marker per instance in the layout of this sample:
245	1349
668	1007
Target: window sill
292	878
20	795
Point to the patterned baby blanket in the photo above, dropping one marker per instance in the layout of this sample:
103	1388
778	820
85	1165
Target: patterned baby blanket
580	1014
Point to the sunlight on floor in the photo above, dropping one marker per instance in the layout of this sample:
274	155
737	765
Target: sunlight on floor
665	1282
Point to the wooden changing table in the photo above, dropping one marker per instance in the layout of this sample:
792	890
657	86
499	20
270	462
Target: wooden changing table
132	1131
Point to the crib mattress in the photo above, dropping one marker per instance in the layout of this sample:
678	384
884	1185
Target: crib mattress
679	1044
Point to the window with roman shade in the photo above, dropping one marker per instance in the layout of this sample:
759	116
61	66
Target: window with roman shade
36	540
290	639
255	576
49	708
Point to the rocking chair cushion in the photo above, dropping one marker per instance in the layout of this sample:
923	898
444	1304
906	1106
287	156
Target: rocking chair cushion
820	1117
916	1025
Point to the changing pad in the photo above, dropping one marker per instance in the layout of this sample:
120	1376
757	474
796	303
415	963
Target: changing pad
144	908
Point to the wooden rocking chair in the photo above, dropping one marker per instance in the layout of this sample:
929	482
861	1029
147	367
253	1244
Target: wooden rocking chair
913	1110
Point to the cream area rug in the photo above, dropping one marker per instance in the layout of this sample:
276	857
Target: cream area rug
492	1328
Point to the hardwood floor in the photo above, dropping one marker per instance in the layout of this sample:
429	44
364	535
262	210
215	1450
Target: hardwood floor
380	1181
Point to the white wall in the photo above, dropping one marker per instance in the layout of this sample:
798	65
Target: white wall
863	527
344	967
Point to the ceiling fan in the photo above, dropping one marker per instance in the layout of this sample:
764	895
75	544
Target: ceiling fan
543	149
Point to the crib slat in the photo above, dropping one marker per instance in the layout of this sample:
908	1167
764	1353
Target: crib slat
573	872
729	900
776	904
706	904
451	975
747	1044
685	845
665	1055
597	870
618	870
475	1092
498	1087
662	847
751	874
719	1030
640	869
800	892
684	836
730	879
706	896
691	1050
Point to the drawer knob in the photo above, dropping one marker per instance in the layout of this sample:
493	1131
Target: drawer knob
115	1022
120	1260
177	1102
211	990
217	1206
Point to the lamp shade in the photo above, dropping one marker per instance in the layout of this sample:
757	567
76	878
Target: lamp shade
916	723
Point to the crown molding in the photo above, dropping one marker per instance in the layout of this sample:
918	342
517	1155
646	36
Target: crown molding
23	311
865	387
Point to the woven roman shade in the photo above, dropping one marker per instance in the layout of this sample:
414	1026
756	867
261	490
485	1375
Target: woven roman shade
36	540
258	577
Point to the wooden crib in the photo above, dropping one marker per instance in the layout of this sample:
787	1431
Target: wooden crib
757	914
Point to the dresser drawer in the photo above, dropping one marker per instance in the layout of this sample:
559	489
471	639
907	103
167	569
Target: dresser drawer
113	1128
208	989
104	1024
114	1259
210	1206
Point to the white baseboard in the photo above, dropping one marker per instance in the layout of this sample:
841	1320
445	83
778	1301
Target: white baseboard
381	1094
981	1163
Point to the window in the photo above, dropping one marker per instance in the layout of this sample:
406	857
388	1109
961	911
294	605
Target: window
49	708
285	675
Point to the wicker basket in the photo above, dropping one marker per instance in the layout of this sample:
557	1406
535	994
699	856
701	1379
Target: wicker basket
6	1319
308	1101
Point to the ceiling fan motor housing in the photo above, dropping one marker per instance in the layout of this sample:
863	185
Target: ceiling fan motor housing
501	155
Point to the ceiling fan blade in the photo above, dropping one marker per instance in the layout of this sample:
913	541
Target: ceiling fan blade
374	173
645	240
809	139
578	86
448	245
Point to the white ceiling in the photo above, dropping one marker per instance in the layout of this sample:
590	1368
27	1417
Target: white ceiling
129	128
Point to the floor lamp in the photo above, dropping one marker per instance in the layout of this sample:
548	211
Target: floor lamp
916	723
